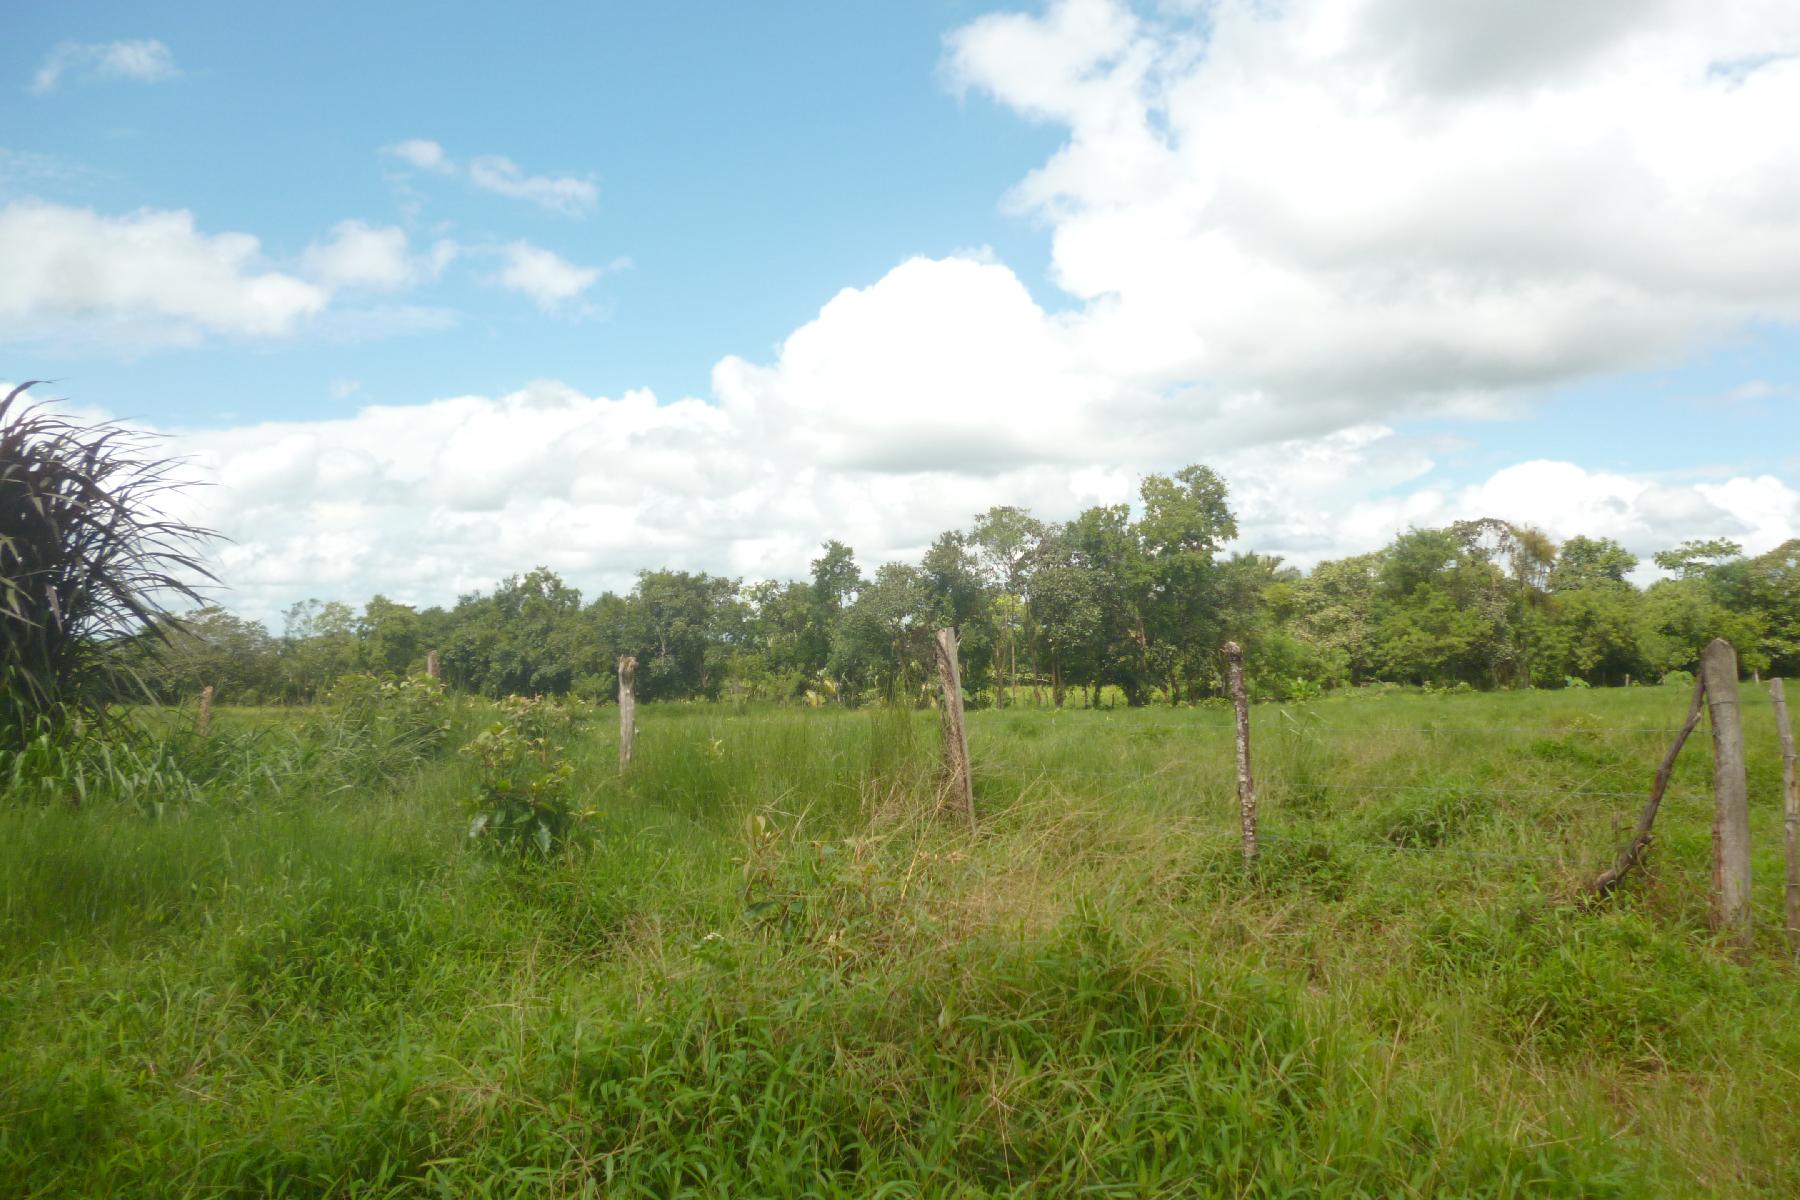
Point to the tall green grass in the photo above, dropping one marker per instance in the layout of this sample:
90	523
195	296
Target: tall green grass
771	969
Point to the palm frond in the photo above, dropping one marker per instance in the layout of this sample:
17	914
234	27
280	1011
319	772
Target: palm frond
87	559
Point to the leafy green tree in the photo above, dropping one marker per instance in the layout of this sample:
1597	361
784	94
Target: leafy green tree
1599	635
682	627
1774	591
211	647
1440	611
1104	542
529	638
1066	606
1698	559
1683	615
961	600
835	582
884	641
1334	612
1585	562
771	660
318	644
389	637
1186	520
1005	540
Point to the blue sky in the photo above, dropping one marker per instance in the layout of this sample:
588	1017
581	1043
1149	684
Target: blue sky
751	160
700	285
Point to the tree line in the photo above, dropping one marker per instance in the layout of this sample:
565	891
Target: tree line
1124	601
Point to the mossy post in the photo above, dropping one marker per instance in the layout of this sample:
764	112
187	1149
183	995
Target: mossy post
1790	809
431	666
1731	803
627	709
959	783
203	722
1246	783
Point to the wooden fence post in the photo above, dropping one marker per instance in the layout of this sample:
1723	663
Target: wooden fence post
958	779
1234	667
1790	804
627	709
203	722
431	665
1731	801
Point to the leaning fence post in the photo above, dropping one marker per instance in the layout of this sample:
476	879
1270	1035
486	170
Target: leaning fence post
1640	840
203	722
627	709
1790	804
431	665
958	780
1731	803
1234	668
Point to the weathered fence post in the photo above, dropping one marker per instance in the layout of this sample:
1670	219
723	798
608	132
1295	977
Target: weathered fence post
203	722
958	779
1731	802
1790	805
627	709
431	665
1234	668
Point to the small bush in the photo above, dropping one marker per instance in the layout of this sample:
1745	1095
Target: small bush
522	804
408	714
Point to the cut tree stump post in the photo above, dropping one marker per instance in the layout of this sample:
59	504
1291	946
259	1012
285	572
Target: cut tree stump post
627	709
431	665
1731	801
959	783
1246	784
1790	807
203	722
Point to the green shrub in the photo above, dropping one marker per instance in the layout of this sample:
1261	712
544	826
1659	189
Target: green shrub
409	714
522	803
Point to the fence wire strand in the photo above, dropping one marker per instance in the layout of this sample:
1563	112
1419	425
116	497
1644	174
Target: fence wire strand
1183	773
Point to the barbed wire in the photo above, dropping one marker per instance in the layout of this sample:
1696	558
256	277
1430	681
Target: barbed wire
1401	847
1182	773
1538	730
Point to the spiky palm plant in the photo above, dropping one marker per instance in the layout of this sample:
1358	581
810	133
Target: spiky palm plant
86	560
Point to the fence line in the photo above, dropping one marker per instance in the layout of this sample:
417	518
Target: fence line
1375	844
1318	725
1171	775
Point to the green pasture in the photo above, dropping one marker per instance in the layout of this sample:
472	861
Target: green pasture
270	963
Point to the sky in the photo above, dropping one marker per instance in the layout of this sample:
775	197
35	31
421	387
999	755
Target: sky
427	295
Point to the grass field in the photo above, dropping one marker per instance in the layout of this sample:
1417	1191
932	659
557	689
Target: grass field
771	971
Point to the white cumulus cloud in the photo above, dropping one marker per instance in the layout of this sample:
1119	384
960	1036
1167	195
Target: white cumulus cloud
423	502
1279	229
356	254
1351	208
566	194
146	278
144	60
570	195
549	279
422	153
